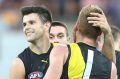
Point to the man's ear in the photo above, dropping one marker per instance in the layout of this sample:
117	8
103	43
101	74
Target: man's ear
70	39
76	29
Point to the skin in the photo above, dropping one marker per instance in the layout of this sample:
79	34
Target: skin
58	55
58	35
108	45
35	32
31	27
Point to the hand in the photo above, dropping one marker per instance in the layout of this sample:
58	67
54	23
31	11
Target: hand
99	20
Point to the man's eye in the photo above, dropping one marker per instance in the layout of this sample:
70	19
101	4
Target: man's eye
24	24
61	36
51	37
31	22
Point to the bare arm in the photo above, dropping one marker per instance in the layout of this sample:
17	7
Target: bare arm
57	60
108	46
113	71
17	70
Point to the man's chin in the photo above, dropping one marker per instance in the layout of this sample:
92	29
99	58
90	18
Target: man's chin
30	40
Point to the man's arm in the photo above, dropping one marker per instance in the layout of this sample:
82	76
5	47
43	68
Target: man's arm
57	60
17	69
113	71
108	46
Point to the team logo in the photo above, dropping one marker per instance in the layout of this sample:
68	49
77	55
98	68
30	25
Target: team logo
35	75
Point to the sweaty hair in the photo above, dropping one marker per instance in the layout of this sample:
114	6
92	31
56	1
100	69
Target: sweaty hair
116	33
60	24
43	13
86	28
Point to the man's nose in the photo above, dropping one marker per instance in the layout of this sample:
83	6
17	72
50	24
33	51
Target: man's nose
56	40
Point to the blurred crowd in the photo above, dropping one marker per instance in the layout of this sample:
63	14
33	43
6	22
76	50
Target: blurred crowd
66	10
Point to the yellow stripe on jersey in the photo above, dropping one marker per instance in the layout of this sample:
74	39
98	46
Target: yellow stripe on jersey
76	63
56	44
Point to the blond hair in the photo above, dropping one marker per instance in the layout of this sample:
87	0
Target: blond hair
86	28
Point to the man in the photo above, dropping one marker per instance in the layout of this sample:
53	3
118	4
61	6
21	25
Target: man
32	63
58	33
82	60
116	36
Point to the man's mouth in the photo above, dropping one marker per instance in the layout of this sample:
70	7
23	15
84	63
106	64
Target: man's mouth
29	33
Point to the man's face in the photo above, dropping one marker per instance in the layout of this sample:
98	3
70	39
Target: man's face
33	27
58	35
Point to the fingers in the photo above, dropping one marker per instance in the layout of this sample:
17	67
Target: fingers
93	19
99	20
96	17
97	14
96	23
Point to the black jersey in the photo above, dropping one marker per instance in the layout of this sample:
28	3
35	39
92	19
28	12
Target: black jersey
118	63
35	65
101	68
78	57
74	68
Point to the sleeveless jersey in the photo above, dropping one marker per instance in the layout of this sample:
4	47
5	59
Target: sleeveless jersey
75	66
76	63
35	65
118	63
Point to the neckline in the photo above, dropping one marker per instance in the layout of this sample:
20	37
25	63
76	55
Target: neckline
48	52
86	45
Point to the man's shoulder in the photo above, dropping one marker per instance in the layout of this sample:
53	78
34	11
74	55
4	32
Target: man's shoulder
59	50
59	47
24	52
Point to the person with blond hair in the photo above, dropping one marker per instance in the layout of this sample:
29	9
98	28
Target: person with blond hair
82	60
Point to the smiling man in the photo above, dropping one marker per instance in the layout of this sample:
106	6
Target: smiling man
32	63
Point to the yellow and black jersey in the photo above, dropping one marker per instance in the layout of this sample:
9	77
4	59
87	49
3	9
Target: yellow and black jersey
75	66
78	63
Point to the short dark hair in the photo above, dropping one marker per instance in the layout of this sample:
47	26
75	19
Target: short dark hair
58	23
43	13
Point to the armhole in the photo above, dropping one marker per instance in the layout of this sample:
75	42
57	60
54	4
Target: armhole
24	56
65	67
68	58
22	63
69	53
22	60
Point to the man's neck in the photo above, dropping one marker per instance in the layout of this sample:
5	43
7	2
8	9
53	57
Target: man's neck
88	41
40	46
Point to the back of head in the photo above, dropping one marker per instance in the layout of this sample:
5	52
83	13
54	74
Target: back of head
86	28
43	13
